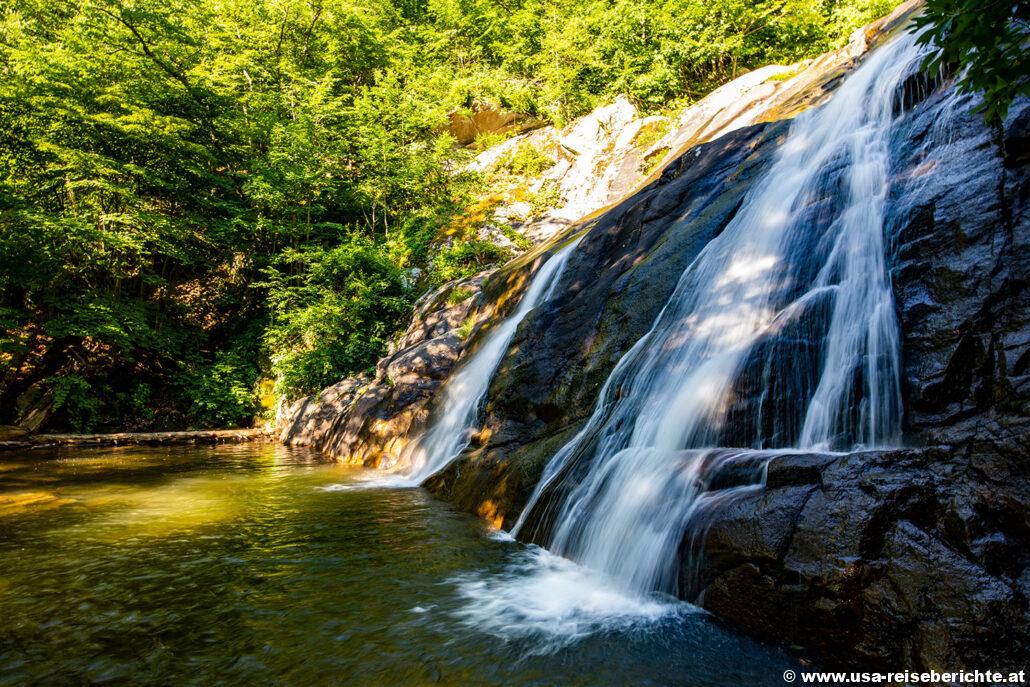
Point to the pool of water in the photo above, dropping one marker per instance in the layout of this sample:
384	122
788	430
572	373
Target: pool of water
261	565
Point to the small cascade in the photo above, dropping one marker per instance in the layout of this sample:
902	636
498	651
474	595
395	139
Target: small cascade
803	258
457	411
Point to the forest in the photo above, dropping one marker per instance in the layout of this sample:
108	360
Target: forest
209	206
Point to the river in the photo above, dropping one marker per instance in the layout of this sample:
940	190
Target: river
260	565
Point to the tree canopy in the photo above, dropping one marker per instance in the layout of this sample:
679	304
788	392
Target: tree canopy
200	199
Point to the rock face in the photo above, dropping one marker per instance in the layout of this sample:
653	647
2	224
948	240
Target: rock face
898	558
915	557
593	161
366	420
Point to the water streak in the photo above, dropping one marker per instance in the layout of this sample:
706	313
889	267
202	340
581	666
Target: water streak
457	414
619	497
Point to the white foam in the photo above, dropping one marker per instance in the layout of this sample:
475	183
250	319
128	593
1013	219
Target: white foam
552	602
500	535
372	481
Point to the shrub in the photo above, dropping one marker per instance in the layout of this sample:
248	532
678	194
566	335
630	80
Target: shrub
526	159
549	196
458	295
465	258
466	327
78	400
333	313
223	391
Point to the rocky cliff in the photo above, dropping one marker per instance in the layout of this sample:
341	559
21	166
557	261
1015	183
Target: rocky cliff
915	557
590	166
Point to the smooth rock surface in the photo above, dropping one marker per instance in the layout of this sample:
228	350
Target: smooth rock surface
911	558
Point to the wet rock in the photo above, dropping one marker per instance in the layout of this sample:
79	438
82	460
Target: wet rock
729	536
911	558
864	566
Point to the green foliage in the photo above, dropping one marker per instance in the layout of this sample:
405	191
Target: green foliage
466	327
333	312
465	258
578	53
459	295
182	179
489	140
651	162
222	391
649	136
549	196
75	396
989	41
526	159
520	242
785	75
158	158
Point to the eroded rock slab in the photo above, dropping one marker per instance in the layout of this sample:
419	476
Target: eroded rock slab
907	558
891	558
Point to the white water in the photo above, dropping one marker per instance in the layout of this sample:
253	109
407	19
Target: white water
552	602
620	495
457	414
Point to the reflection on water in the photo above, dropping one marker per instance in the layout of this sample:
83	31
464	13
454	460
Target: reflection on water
235	565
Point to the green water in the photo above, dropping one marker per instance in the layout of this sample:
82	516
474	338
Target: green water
234	566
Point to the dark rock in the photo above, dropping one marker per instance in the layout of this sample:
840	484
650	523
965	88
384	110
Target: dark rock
1016	139
797	469
914	557
909	558
864	566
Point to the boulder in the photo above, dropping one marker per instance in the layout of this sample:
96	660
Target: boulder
487	120
885	558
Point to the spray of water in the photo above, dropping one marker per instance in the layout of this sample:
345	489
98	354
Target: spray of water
619	497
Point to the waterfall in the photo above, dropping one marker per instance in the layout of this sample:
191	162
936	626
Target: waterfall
457	412
619	498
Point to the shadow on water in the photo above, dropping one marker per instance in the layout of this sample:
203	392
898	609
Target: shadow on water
230	565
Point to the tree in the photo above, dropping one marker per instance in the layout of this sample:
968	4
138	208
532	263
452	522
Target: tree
988	41
199	195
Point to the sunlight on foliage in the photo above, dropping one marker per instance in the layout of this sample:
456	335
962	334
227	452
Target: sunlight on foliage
195	194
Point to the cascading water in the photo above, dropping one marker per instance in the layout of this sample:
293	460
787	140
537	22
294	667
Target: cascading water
458	409
618	498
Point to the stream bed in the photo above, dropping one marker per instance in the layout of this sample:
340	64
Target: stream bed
256	564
